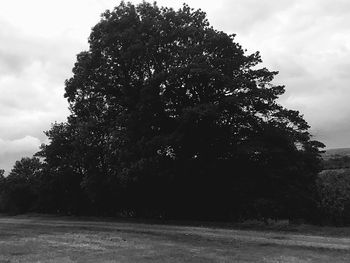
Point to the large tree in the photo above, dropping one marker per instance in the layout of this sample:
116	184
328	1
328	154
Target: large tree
171	117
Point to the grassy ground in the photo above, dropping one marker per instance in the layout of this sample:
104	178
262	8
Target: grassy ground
54	239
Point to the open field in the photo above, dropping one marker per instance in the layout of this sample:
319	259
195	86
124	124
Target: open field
55	239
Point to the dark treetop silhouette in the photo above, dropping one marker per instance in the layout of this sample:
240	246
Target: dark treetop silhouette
171	118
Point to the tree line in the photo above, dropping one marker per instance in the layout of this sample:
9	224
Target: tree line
170	118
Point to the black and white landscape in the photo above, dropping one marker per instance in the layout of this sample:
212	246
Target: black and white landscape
134	127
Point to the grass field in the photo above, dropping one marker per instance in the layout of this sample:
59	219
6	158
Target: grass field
55	239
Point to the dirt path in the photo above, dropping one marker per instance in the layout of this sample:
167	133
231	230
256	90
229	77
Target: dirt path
56	240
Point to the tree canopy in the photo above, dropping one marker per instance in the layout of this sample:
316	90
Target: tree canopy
172	118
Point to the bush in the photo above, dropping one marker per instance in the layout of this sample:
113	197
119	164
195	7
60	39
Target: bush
333	189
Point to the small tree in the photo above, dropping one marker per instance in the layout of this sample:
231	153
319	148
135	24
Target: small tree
60	188
19	188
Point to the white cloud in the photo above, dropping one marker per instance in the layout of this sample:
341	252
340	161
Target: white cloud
13	150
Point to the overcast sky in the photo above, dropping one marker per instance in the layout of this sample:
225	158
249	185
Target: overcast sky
308	42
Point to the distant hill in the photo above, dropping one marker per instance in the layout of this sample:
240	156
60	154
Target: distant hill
337	152
336	159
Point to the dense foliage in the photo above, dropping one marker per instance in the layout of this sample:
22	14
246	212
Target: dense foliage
171	118
19	190
333	188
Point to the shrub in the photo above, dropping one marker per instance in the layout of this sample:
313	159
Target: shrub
333	189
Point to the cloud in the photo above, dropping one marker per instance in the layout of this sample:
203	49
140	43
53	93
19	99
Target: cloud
309	44
32	74
37	52
13	150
